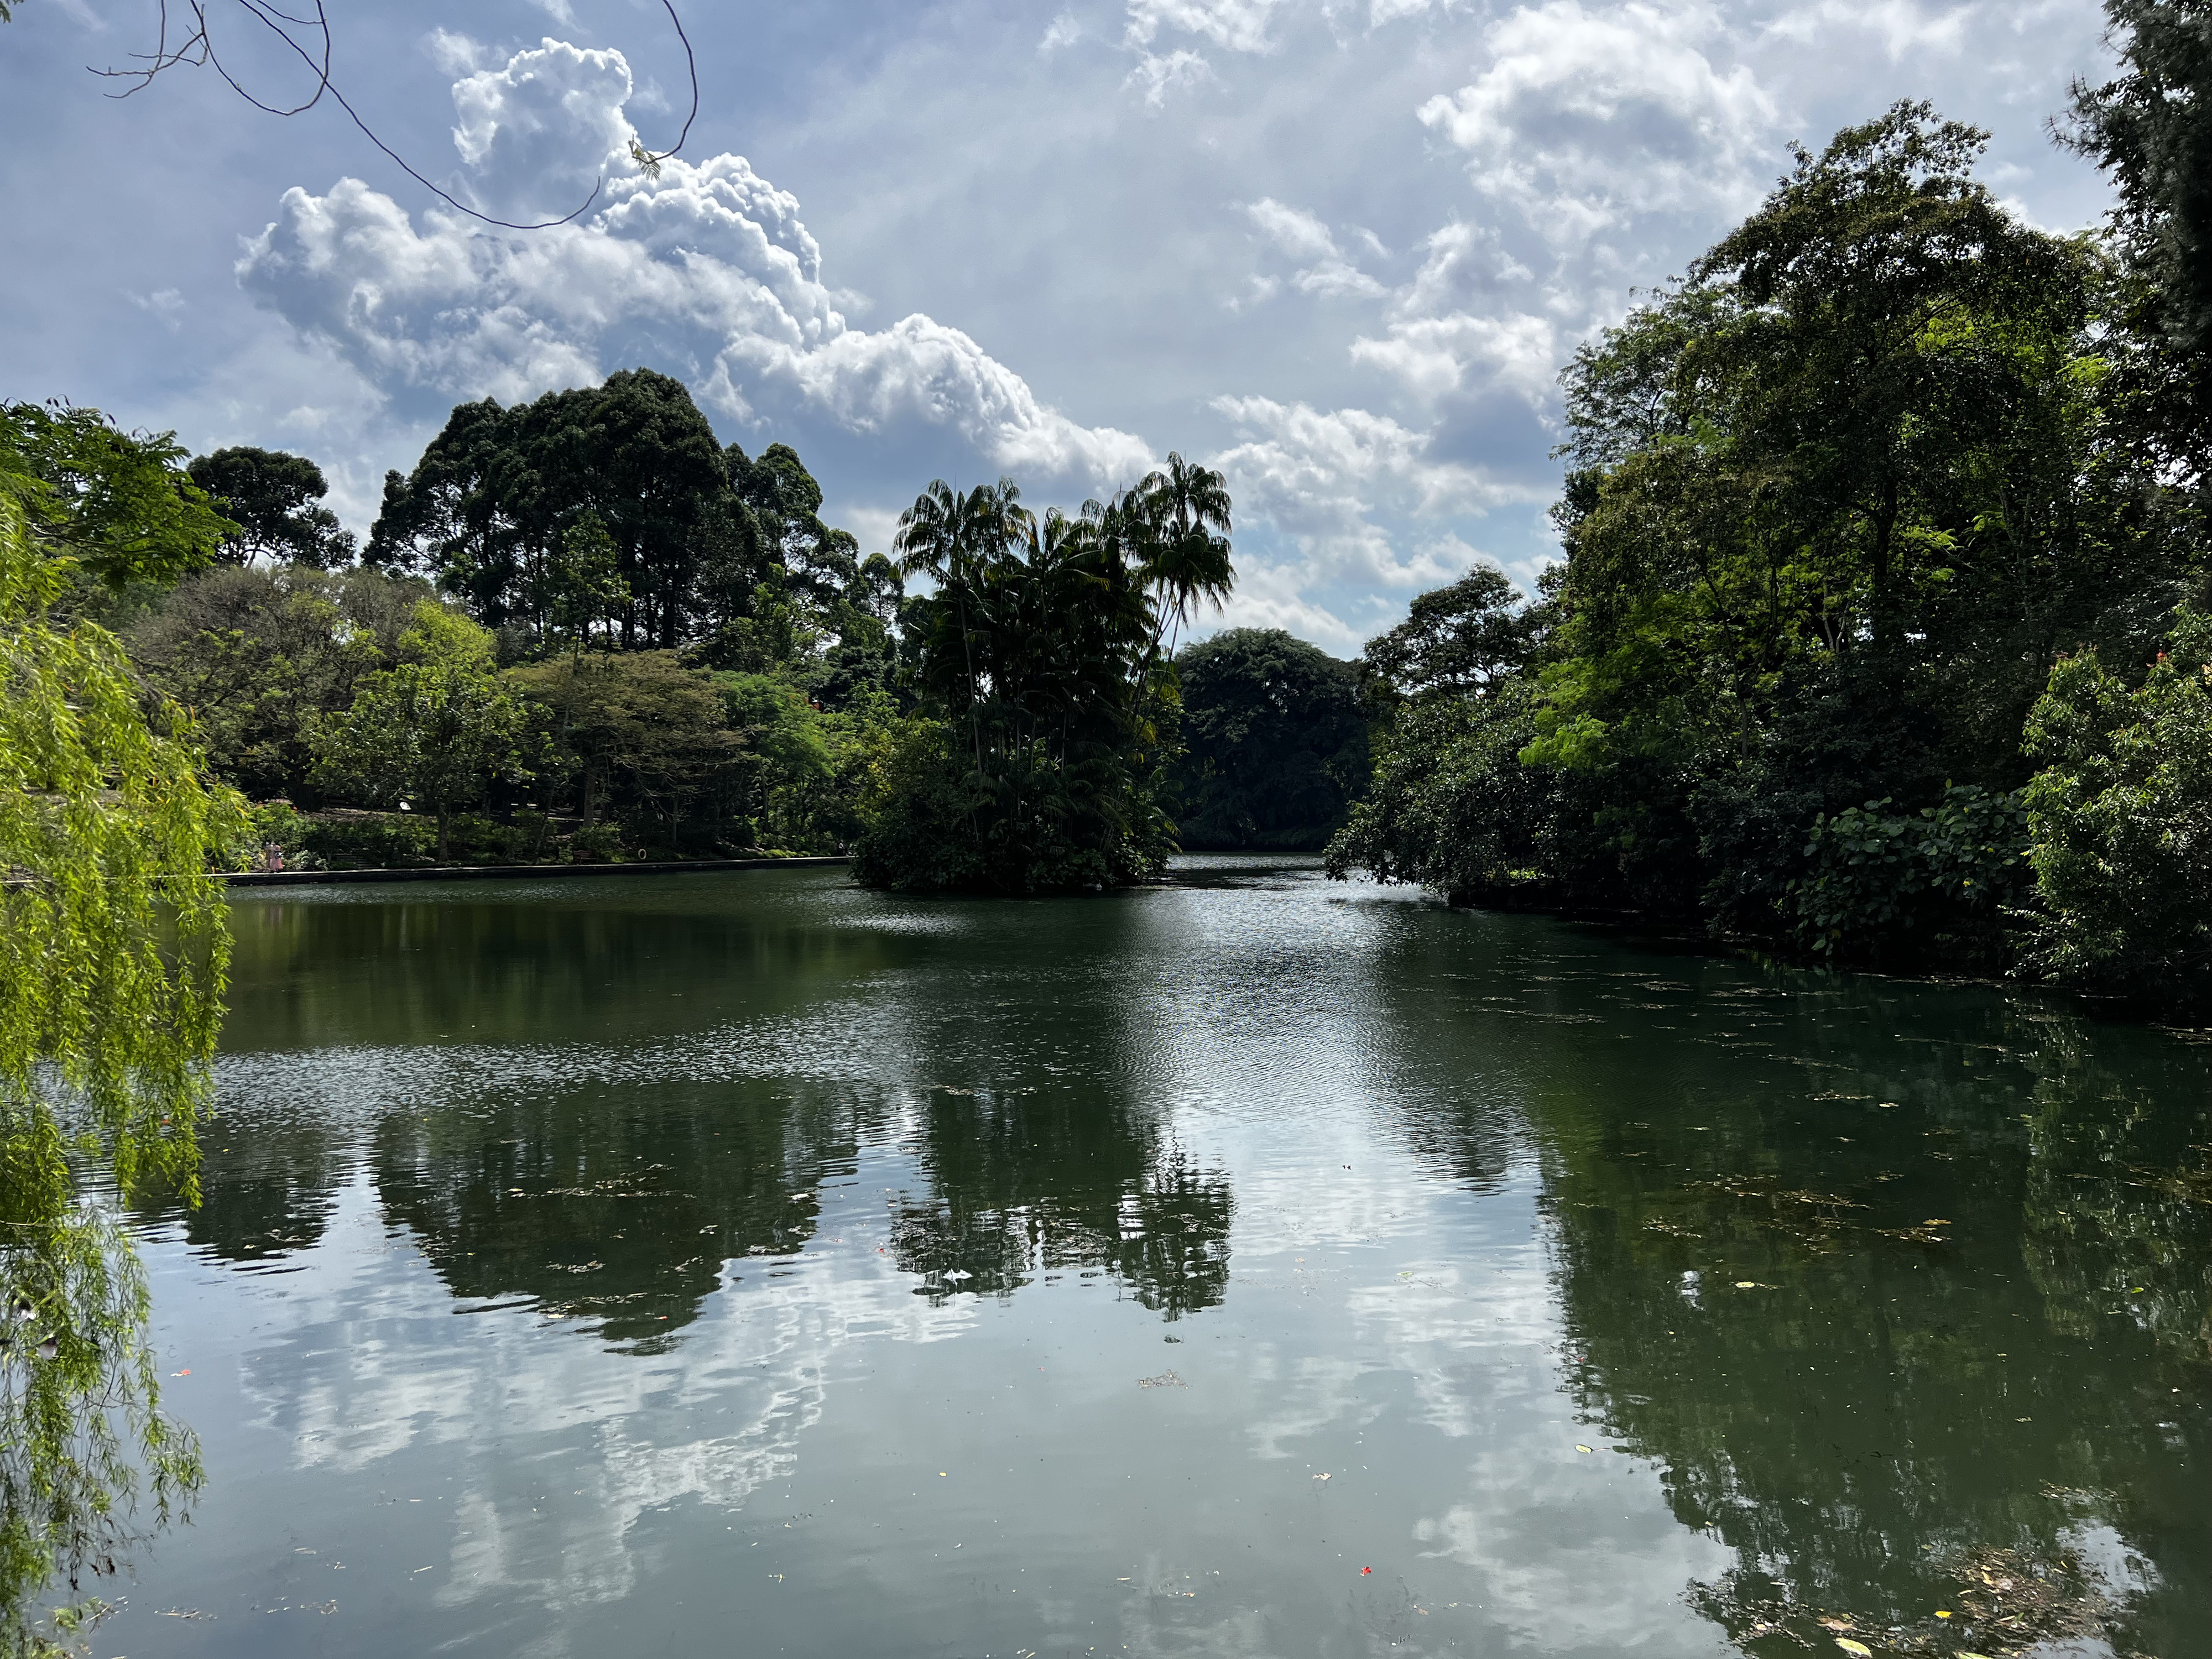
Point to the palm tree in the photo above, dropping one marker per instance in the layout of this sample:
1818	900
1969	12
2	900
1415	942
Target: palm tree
954	540
1061	623
1185	562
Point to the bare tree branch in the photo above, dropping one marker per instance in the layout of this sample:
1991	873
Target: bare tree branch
312	44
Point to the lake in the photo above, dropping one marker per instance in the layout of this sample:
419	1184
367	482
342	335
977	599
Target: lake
1251	1264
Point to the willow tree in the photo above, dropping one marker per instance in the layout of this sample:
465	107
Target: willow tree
112	951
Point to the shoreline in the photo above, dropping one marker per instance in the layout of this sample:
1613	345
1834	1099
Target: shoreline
512	872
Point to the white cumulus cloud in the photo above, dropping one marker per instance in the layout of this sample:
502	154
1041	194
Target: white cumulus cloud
707	272
1237	25
1586	118
1324	480
1430	356
1303	237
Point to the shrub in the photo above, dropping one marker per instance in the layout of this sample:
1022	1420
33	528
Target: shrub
341	839
601	843
2121	822
1938	883
920	841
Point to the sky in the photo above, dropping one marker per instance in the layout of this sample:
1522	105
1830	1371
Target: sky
1339	249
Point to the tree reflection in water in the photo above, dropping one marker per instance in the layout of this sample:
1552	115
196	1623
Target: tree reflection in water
1893	1287
82	1437
616	1199
1029	1182
619	1206
1826	1341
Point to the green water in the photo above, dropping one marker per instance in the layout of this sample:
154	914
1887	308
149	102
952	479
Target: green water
746	1264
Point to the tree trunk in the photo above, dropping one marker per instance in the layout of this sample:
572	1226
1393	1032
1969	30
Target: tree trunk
1883	599
445	818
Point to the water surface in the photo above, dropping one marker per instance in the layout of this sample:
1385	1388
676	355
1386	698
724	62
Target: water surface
746	1264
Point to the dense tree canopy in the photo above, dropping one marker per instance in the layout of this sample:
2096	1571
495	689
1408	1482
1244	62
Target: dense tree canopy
437	729
276	500
112	951
584	630
1274	738
2150	128
120	502
1836	504
1043	653
486	509
1456	641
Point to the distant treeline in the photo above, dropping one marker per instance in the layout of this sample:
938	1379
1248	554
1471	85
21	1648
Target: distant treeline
583	629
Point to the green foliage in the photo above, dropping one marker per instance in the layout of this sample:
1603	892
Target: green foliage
1043	648
2150	130
438	727
788	767
82	1437
1275	741
588	590
120	502
1937	883
1451	807
488	509
784	503
639	720
257	656
1455	641
922	840
276	500
2121	818
1835	504
112	940
112	952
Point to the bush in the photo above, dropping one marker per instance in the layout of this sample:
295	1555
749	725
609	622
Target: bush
939	829
1937	883
920	841
342	840
276	821
2121	822
601	843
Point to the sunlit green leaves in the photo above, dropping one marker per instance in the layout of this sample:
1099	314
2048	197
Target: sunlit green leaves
112	941
112	949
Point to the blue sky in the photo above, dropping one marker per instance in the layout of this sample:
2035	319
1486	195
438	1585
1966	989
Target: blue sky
1338	248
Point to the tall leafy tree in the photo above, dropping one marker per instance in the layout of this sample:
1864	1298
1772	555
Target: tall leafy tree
2150	128
1840	499
486	507
1275	740
438	727
1834	505
1038	648
1184	511
276	499
1458	640
258	655
121	503
786	504
955	540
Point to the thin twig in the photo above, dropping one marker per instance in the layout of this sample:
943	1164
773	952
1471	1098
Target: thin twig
197	50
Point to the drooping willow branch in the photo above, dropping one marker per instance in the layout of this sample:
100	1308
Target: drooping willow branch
309	39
